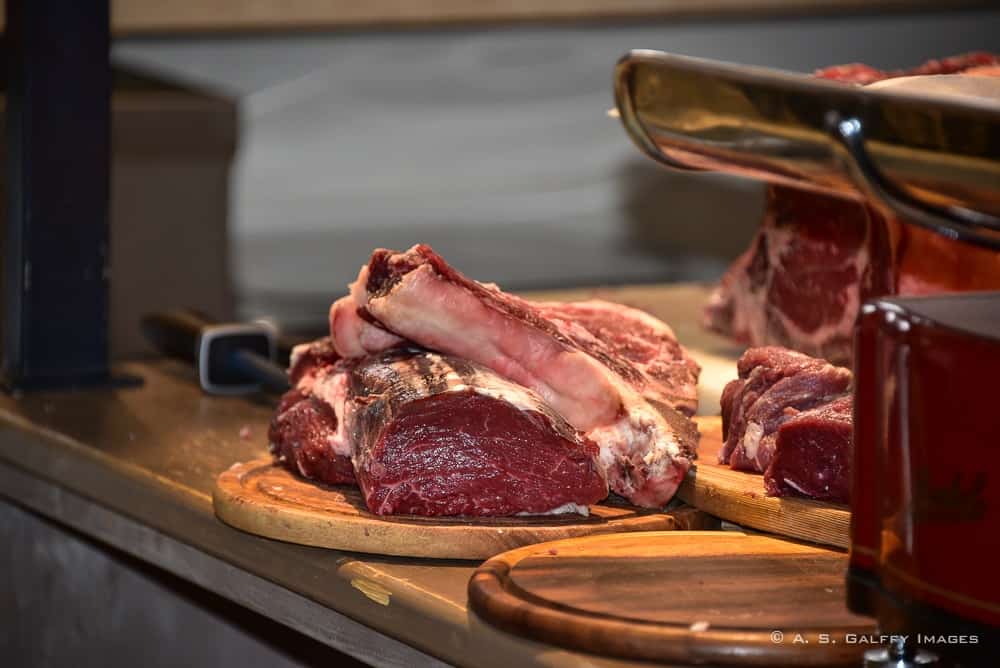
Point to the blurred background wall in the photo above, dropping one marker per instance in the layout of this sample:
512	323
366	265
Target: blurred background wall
492	144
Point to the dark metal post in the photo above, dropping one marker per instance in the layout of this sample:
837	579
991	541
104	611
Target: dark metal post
55	246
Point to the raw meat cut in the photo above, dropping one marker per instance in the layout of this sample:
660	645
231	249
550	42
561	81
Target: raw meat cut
307	432
438	435
646	342
801	283
817	258
301	436
774	385
615	392
308	360
813	454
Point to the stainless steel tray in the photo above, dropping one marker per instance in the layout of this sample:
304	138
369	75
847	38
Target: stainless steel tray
933	162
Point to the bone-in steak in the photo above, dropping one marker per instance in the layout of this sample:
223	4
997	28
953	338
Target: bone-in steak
609	389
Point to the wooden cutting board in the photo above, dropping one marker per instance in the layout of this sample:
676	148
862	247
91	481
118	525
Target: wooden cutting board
740	497
268	500
717	597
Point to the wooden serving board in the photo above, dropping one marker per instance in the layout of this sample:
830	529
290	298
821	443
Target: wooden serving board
268	500
716	597
740	497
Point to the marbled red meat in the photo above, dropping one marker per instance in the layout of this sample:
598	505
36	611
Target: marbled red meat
812	456
438	435
646	443
817	258
812	264
774	387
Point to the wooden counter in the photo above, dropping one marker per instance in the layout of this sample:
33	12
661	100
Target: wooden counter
133	468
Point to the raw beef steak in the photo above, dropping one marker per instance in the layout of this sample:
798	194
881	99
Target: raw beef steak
774	384
801	283
646	445
813	454
817	258
438	435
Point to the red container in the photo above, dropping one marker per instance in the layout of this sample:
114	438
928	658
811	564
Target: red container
925	532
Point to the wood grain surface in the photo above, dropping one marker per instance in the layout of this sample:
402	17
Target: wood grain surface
740	497
700	597
267	500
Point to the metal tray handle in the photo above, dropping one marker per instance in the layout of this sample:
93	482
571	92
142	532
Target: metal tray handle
953	222
932	162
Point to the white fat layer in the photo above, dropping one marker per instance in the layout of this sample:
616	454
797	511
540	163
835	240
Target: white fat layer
751	439
792	484
297	353
564	509
573	383
488	385
331	387
641	431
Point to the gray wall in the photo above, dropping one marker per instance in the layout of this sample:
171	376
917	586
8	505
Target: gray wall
493	145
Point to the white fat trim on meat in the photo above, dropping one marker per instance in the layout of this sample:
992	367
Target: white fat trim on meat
407	304
331	387
564	509
751	439
487	385
642	429
796	487
302	471
297	352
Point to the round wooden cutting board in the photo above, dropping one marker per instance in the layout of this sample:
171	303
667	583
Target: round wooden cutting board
740	497
716	597
267	500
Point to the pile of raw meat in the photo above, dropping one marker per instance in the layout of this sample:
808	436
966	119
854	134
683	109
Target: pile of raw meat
789	416
439	395
817	258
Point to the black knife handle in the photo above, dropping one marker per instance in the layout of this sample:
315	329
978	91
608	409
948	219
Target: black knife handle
175	333
270	375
